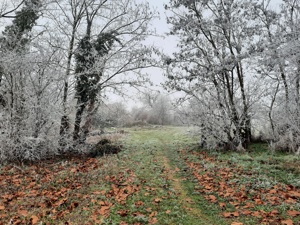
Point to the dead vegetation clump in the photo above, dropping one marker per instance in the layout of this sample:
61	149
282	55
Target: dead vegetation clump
104	147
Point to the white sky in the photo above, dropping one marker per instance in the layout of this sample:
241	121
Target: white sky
167	44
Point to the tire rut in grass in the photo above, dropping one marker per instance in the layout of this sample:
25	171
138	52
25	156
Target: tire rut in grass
185	200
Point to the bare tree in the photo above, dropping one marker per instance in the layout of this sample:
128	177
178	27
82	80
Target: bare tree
214	36
158	107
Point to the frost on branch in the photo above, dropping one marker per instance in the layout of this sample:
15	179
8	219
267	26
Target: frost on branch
238	65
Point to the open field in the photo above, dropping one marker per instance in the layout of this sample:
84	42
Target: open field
160	177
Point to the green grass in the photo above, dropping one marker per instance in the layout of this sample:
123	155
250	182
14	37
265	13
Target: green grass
277	167
150	147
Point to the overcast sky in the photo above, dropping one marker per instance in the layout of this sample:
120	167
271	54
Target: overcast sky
167	43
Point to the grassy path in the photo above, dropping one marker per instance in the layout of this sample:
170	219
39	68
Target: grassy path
158	147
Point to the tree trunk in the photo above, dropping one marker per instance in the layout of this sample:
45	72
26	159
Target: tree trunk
80	108
64	125
88	123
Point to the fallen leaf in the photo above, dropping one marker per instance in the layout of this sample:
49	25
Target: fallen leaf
236	214
293	213
227	214
2	207
222	204
246	212
168	211
138	214
34	220
123	213
295	193
212	198
231	214
153	214
74	170
95	219
139	203
157	200
256	214
104	211
99	192
237	223
189	200
258	201
287	222
275	212
153	220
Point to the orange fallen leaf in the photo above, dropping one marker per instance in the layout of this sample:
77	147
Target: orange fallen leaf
256	214
2	207
287	222
34	220
104	211
168	211
212	198
74	170
123	213
95	219
293	213
153	220
222	204
295	194
236	214
274	212
157	200
237	223
231	214
246	212
153	214
227	214
138	214
99	192
258	201
139	203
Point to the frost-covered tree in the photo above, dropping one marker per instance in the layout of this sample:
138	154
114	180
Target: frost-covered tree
158	107
211	63
275	60
87	78
16	70
110	56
